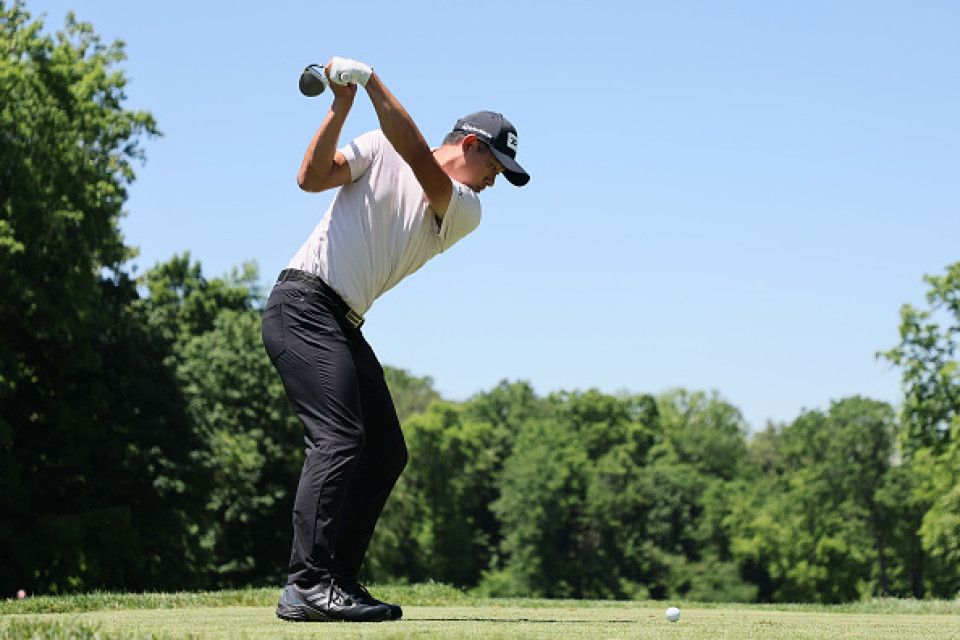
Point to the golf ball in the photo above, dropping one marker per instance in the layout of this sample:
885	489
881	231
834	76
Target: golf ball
673	614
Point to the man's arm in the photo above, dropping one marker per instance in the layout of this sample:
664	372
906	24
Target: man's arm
400	130
323	166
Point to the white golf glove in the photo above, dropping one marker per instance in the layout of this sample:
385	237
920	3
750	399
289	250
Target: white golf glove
344	71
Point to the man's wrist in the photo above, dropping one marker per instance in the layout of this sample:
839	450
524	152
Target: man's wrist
342	103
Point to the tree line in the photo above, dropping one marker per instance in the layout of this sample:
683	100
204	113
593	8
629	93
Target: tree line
146	443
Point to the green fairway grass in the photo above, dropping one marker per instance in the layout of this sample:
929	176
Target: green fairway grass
434	611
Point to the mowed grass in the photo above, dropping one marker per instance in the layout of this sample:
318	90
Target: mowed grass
435	611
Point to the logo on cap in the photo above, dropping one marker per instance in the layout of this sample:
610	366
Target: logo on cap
469	127
512	140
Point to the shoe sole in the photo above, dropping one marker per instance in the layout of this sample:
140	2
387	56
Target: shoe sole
293	613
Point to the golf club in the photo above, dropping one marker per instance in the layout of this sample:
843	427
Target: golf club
313	80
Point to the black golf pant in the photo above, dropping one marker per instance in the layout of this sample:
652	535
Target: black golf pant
354	446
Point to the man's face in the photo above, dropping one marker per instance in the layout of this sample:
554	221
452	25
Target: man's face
481	166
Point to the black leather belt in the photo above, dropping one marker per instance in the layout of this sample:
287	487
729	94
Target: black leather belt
351	316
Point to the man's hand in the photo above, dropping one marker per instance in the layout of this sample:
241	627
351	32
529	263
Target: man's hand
343	71
346	90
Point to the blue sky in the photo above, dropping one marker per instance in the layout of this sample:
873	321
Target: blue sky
729	196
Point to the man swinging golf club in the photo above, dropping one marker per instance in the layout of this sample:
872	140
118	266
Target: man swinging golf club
400	204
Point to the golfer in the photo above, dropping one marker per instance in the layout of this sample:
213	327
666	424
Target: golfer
400	203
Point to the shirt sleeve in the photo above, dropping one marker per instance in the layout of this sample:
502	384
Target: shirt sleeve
361	152
462	216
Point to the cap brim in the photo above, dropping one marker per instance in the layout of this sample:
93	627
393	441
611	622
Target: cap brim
511	169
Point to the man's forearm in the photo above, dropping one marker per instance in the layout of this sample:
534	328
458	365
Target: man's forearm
396	124
318	171
399	129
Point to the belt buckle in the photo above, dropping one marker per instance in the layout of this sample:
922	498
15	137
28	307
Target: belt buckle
354	318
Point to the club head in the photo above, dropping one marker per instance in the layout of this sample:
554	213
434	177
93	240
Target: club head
313	81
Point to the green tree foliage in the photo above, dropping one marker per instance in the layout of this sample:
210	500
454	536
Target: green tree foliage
569	484
94	456
927	355
818	526
928	358
693	473
432	526
940	528
507	406
903	507
411	395
252	450
66	156
249	452
182	303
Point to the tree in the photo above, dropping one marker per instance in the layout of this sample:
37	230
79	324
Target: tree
438	523
694	472
249	441
432	524
95	474
67	154
930	373
933	475
819	527
181	303
571	502
927	354
411	395
251	450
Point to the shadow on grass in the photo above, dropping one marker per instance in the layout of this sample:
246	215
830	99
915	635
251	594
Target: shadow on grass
515	620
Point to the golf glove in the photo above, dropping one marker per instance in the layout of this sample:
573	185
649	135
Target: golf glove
344	71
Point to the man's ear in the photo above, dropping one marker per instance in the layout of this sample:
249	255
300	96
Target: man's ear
468	140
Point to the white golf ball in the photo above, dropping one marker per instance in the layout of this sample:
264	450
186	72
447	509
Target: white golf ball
673	614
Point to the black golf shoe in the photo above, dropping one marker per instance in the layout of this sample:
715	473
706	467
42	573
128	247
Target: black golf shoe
360	593
326	602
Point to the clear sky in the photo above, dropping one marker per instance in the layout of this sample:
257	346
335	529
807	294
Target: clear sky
726	195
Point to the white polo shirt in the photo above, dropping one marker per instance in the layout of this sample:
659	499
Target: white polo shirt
379	228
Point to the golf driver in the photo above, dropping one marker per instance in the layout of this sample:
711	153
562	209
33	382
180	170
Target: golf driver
314	80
